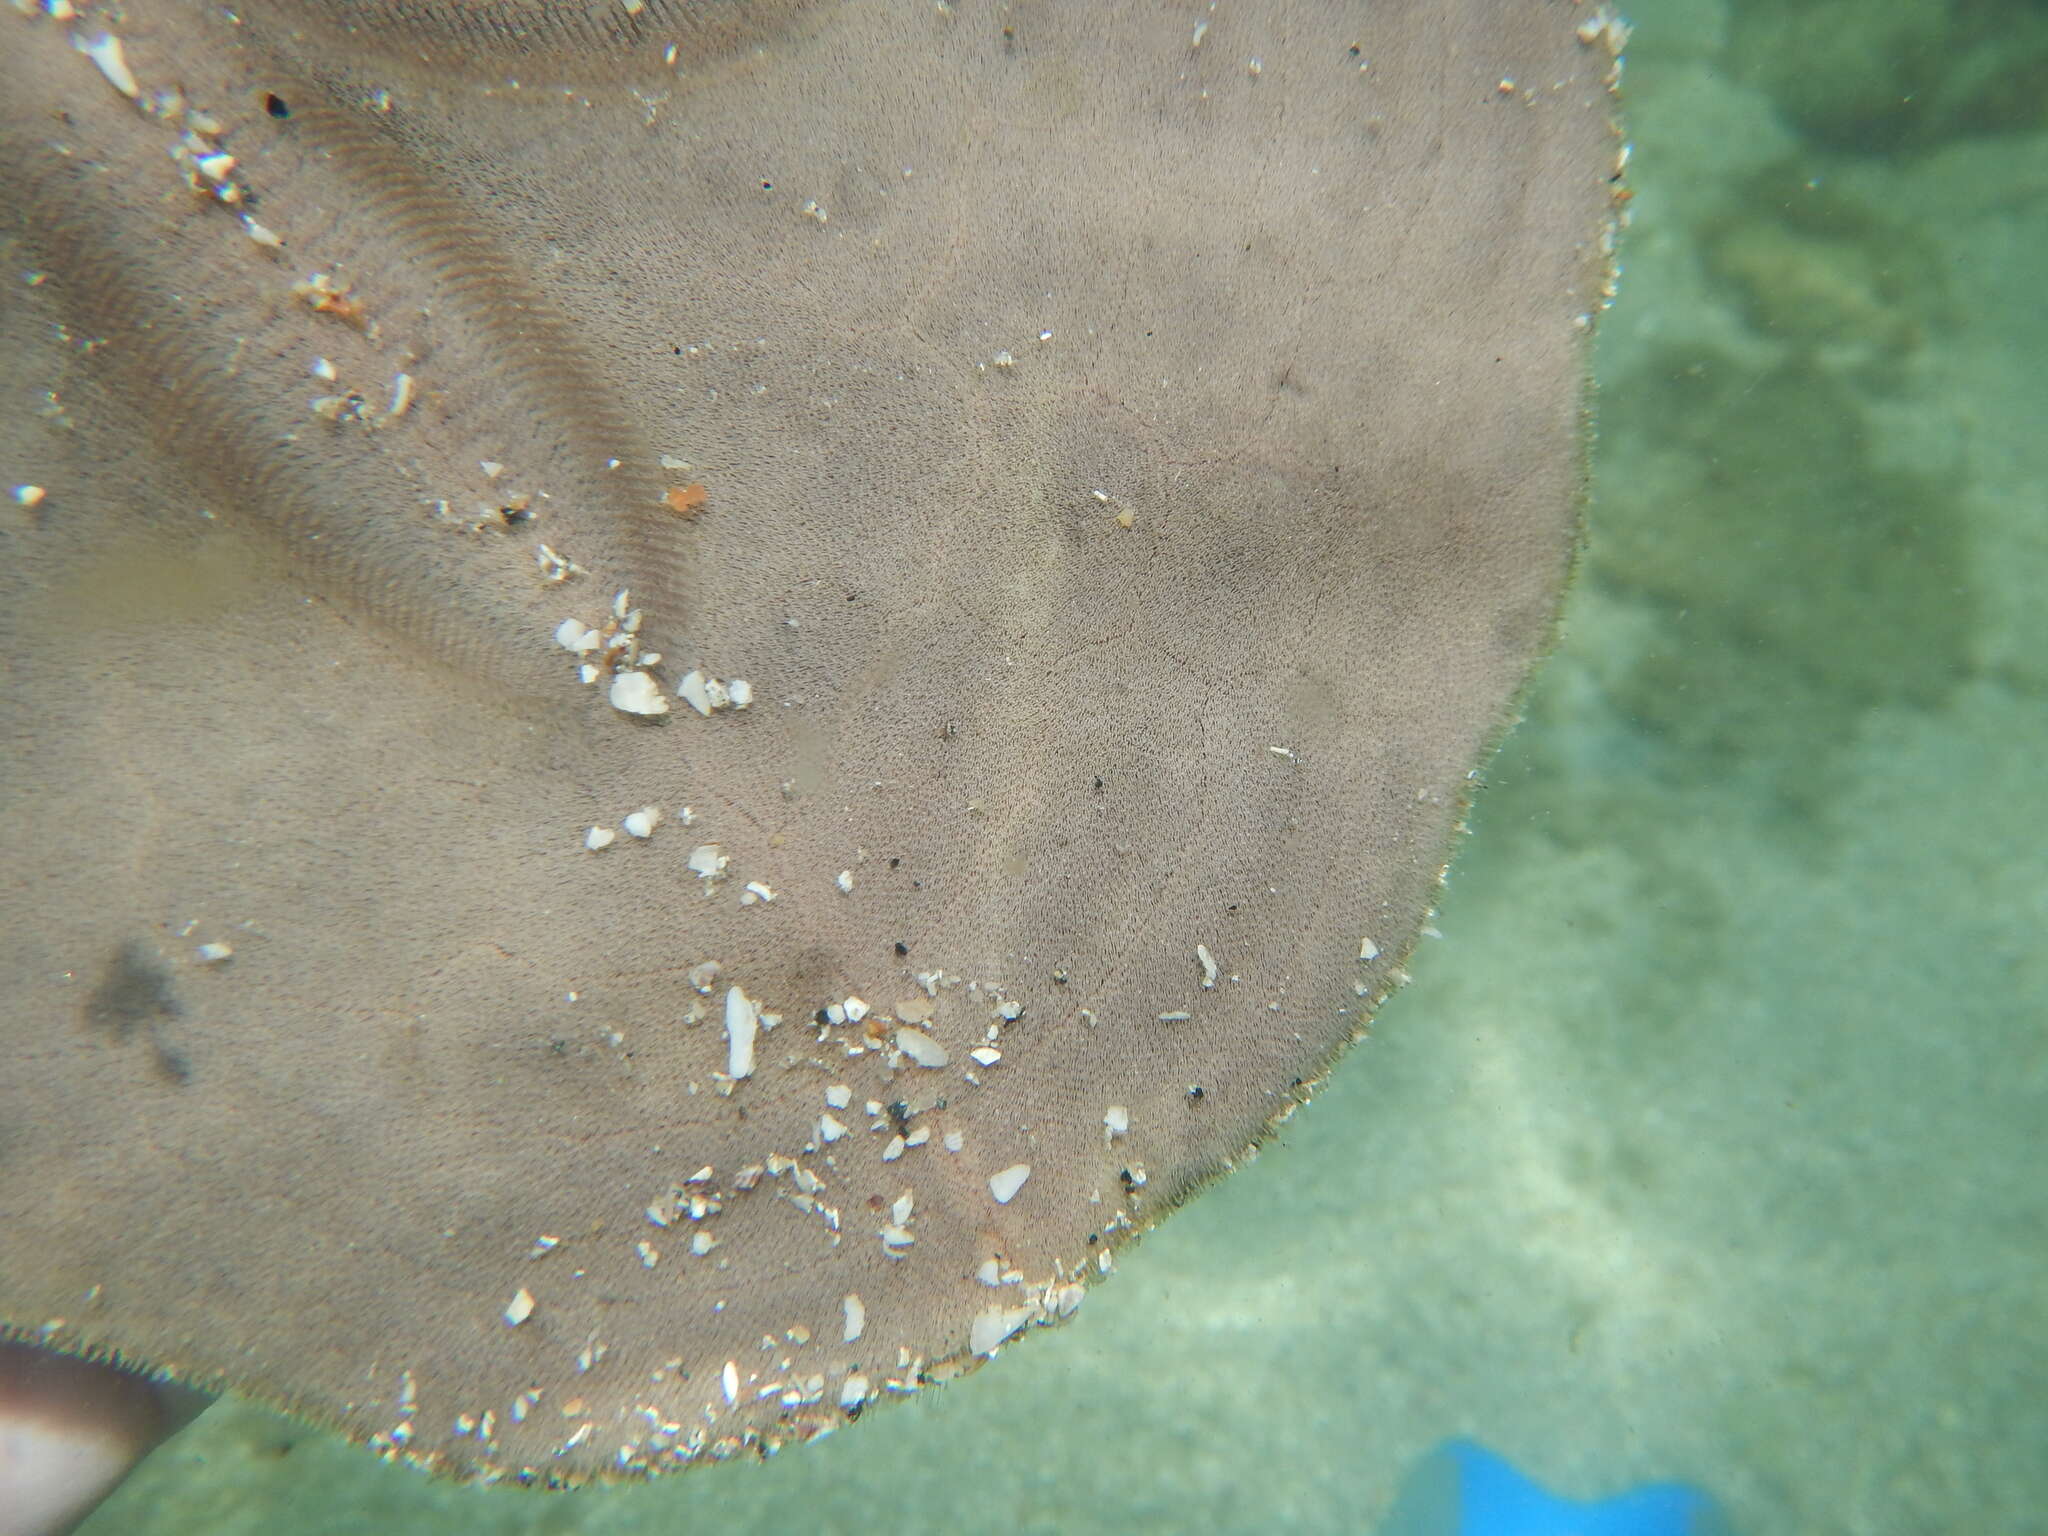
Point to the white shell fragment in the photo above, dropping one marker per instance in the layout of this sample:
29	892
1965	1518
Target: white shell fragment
643	821
706	862
635	693
519	1308
707	694
742	1023
1116	1121
729	1382
691	691
212	954
856	1317
845	882
1004	1185
921	1047
1367	950
105	52
1208	962
599	837
993	1326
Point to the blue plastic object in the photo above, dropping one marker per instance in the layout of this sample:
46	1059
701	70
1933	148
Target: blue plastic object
1463	1489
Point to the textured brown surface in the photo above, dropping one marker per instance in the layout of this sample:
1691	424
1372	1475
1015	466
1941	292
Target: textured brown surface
1294	467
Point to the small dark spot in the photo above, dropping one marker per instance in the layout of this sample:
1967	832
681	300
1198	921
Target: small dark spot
899	1116
1094	1238
1354	50
917	885
136	994
894	862
1125	1175
767	186
514	516
874	1202
852	597
1195	1091
1059	978
135	991
854	1411
820	1018
902	948
1098	783
275	105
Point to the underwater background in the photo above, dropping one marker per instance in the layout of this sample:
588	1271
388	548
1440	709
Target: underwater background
1711	1139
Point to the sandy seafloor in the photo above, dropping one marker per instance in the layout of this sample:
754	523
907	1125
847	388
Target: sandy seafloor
1711	1140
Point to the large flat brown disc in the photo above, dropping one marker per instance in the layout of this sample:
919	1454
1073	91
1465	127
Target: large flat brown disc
1102	474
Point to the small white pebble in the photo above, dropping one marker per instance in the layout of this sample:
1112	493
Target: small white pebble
519	1308
845	881
1004	1185
1116	1121
1367	950
643	821
599	837
213	954
741	692
856	1317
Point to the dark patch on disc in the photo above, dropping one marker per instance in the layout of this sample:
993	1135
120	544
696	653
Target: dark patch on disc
135	997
